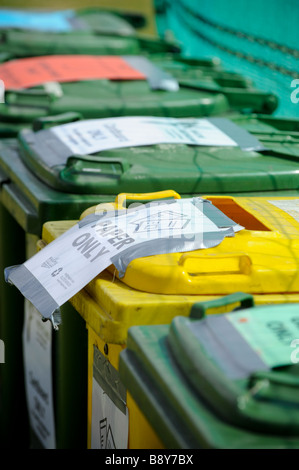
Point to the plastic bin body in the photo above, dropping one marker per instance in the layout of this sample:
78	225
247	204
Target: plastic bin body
26	203
258	389
110	353
104	98
159	288
204	90
162	387
85	31
156	167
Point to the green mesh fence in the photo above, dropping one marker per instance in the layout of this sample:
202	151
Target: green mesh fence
257	38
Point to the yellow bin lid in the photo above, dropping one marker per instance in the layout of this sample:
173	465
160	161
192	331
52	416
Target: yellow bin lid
263	258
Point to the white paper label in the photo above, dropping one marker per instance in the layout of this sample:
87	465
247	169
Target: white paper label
290	206
67	264
56	273
109	425
95	135
37	341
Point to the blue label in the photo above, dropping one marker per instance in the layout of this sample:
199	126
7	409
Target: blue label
57	21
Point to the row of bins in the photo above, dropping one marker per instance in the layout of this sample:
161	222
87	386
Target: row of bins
109	378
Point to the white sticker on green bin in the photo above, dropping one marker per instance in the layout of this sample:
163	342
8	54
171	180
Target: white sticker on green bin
95	135
90	246
269	333
37	341
110	418
242	343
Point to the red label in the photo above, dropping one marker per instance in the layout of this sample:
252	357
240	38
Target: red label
29	72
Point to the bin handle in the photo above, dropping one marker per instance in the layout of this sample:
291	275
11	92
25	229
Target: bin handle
13	96
244	266
199	310
50	121
73	159
122	197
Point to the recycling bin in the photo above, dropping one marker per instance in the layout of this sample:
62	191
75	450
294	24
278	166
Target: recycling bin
22	213
260	260
83	31
119	85
258	159
226	380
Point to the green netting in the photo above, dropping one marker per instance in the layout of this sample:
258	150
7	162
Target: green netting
257	38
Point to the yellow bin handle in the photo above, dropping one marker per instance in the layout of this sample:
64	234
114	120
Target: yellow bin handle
242	265
122	197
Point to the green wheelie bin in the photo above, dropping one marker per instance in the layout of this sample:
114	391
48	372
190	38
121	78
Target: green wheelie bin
221	381
106	86
260	158
26	205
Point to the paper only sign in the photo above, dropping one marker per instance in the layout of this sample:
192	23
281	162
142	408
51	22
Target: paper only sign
56	273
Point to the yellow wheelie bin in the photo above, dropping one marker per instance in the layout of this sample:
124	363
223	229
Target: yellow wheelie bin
260	260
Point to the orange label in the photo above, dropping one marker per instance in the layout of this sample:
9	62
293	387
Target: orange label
29	72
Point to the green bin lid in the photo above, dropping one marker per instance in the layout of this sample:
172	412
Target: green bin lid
21	43
243	364
30	201
187	169
170	381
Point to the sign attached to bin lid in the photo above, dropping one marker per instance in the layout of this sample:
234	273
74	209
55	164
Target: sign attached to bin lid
246	341
33	71
57	144
56	273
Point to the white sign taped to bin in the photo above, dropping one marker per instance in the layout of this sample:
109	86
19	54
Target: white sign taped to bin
109	425
110	416
37	342
95	135
56	273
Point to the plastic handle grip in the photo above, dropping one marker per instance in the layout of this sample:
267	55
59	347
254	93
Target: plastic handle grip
200	309
34	96
51	121
214	264
84	160
122	197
